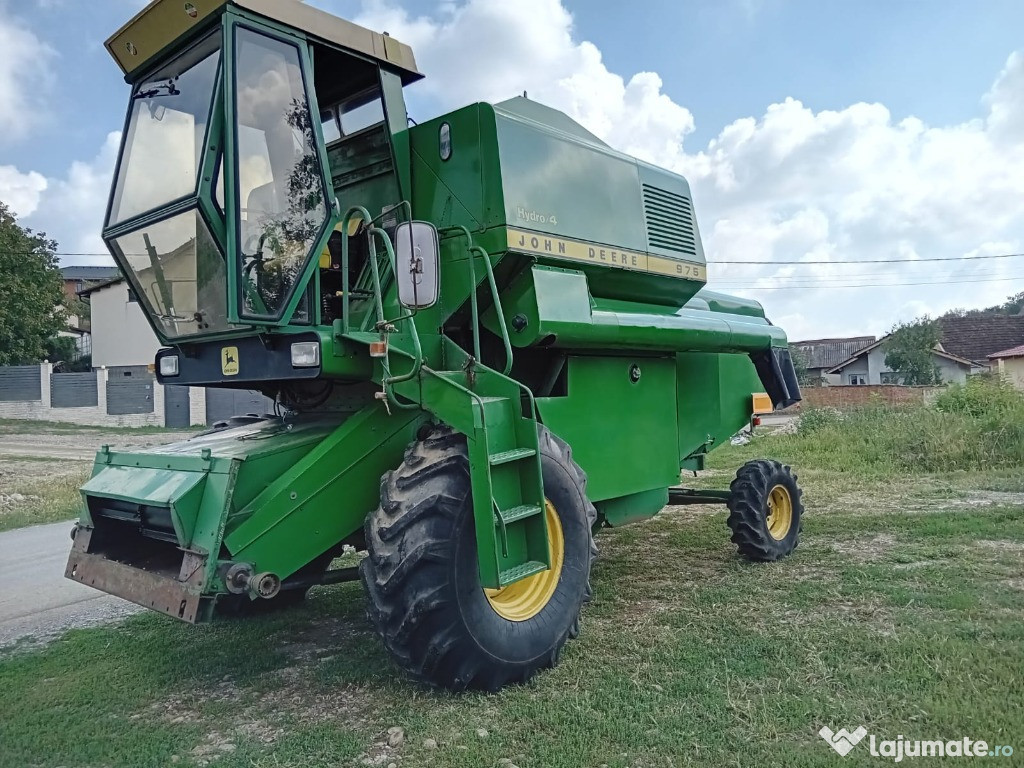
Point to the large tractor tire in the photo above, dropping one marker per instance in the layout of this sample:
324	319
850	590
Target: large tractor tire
765	510
423	583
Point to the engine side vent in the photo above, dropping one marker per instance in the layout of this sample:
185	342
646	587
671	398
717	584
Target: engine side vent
669	221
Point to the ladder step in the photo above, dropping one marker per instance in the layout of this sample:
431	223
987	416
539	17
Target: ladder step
520	572
523	511
514	455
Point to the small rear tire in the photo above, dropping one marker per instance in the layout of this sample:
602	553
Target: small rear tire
765	510
422	576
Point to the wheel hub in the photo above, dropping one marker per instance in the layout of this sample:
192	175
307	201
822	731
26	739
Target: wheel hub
527	597
780	512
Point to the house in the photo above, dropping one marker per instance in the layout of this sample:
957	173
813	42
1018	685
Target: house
976	336
1009	363
868	366
126	345
821	355
121	334
76	280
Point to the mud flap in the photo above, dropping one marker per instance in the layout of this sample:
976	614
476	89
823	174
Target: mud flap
778	375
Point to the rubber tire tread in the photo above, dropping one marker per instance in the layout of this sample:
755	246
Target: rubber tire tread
421	578
748	510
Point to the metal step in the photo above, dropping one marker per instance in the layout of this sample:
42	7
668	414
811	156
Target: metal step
516	454
521	512
521	572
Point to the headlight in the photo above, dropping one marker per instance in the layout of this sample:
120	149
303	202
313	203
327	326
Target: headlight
306	354
169	365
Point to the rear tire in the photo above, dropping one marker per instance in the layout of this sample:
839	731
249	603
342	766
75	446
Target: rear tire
765	510
422	577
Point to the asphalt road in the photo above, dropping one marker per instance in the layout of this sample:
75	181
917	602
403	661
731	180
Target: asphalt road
36	600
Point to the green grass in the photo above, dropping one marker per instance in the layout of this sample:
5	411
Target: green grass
901	610
49	496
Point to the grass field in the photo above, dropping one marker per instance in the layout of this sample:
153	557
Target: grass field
900	611
36	488
46	490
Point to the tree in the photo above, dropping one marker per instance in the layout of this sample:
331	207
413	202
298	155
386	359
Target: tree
31	292
803	376
909	351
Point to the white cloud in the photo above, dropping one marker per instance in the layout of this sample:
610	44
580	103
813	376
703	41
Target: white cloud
21	191
790	184
71	208
483	50
25	76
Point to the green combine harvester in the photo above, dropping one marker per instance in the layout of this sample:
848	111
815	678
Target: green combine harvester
487	337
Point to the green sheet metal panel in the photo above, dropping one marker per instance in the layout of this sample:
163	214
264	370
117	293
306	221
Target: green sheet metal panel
715	392
561	183
622	432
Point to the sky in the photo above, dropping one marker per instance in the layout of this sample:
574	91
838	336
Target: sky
814	133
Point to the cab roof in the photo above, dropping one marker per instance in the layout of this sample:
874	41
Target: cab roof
162	22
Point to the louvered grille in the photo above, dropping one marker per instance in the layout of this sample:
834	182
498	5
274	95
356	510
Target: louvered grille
669	221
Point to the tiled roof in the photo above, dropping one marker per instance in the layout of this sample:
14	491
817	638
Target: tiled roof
975	337
937	351
88	273
1012	352
825	353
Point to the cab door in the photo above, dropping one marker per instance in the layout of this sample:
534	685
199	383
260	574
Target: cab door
279	207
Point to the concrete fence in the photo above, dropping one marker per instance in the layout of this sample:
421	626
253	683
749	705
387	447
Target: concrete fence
854	396
114	397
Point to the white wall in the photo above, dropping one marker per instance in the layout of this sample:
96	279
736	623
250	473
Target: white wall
1012	369
120	333
873	366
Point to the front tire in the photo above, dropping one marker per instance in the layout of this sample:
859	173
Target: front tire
422	577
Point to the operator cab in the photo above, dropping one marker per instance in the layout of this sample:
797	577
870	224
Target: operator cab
252	127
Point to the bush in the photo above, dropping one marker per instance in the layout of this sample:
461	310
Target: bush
984	395
976	426
819	419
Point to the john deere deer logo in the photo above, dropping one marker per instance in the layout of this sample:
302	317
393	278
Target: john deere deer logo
229	361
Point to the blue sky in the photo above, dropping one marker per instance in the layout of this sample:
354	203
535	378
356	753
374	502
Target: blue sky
751	99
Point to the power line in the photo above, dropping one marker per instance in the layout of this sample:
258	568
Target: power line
878	261
719	278
764	262
743	286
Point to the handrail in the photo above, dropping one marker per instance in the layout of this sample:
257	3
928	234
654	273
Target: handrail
474	251
382	324
413	332
344	262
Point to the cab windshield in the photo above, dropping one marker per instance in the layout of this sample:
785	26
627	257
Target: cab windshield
164	140
176	267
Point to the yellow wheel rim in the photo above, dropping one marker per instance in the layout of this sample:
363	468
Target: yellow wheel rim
527	597
780	512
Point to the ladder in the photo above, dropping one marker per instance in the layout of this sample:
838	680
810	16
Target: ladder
496	413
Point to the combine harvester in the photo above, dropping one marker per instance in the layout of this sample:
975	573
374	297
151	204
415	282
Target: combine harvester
486	335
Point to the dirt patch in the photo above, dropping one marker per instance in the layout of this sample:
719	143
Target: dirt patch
15	474
9	500
855	503
79	445
864	550
1001	545
880	619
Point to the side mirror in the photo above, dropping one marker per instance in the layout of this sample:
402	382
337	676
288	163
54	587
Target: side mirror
417	254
